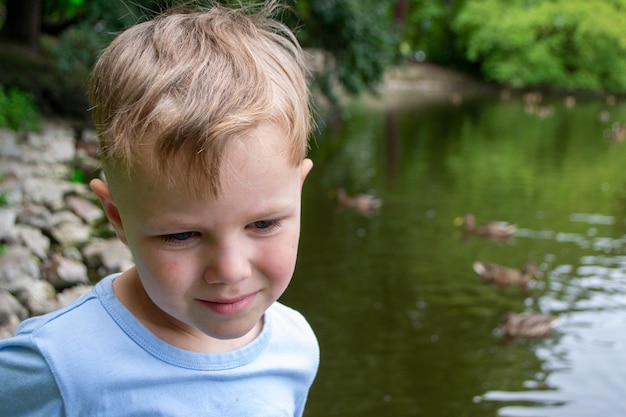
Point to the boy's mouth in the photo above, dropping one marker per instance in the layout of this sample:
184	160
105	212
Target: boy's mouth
230	307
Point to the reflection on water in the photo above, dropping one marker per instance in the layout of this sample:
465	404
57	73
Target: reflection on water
405	325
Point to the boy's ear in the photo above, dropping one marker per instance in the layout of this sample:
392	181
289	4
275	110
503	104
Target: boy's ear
306	165
103	192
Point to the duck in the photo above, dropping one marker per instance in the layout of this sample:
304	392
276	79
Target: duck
528	324
505	276
617	132
491	229
363	203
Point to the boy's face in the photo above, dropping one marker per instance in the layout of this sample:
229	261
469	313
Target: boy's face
212	266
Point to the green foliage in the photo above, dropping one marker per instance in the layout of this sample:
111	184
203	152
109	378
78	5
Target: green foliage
101	20
4	196
18	110
56	10
358	35
427	29
571	44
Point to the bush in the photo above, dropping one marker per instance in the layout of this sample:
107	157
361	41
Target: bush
571	44
18	110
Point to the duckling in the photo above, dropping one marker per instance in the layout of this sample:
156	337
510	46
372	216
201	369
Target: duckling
492	229
363	203
504	276
528	325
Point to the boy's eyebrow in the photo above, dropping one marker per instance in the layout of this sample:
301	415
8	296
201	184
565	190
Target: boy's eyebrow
173	220
276	209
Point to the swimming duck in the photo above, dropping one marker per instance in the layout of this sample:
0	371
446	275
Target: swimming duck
528	325
617	133
492	229
504	276
363	203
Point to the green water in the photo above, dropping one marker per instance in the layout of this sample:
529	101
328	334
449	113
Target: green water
405	326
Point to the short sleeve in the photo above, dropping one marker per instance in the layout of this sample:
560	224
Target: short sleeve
27	386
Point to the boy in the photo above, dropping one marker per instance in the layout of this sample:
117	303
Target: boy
203	118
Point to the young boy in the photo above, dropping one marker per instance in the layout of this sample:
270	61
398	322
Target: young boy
203	118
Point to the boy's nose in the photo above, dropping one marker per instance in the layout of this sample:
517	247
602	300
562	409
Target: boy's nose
227	265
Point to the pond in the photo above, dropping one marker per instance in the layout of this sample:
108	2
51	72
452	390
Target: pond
406	326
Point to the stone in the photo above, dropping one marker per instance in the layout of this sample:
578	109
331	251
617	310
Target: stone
7	224
63	216
84	209
9	147
18	269
10	187
55	140
33	239
46	191
47	220
7	330
39	298
10	306
112	254
68	295
71	234
35	215
63	272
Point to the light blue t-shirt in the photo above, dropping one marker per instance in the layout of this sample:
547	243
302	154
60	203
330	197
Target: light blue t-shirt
94	358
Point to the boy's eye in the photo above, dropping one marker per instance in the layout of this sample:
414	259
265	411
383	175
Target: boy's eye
179	237
265	225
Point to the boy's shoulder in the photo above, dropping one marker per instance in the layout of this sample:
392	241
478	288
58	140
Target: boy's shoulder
34	324
74	321
288	323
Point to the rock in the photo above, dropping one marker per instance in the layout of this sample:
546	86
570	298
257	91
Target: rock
70	231
46	191
10	306
84	209
68	234
18	269
7	225
33	239
112	254
72	252
55	140
35	215
63	272
63	216
49	222
68	295
8	329
10	188
39	298
9	147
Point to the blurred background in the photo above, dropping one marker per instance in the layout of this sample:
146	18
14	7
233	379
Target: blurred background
512	111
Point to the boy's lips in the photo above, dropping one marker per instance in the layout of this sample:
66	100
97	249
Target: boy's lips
230	306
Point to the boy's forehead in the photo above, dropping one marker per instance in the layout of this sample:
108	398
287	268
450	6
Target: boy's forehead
252	153
267	142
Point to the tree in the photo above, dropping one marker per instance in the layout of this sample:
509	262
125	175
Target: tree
568	44
357	37
428	31
22	23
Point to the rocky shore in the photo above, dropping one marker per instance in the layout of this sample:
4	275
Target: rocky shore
55	242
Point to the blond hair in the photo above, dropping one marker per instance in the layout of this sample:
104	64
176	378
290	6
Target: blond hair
168	94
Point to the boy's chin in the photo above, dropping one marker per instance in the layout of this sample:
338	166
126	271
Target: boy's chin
234	337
